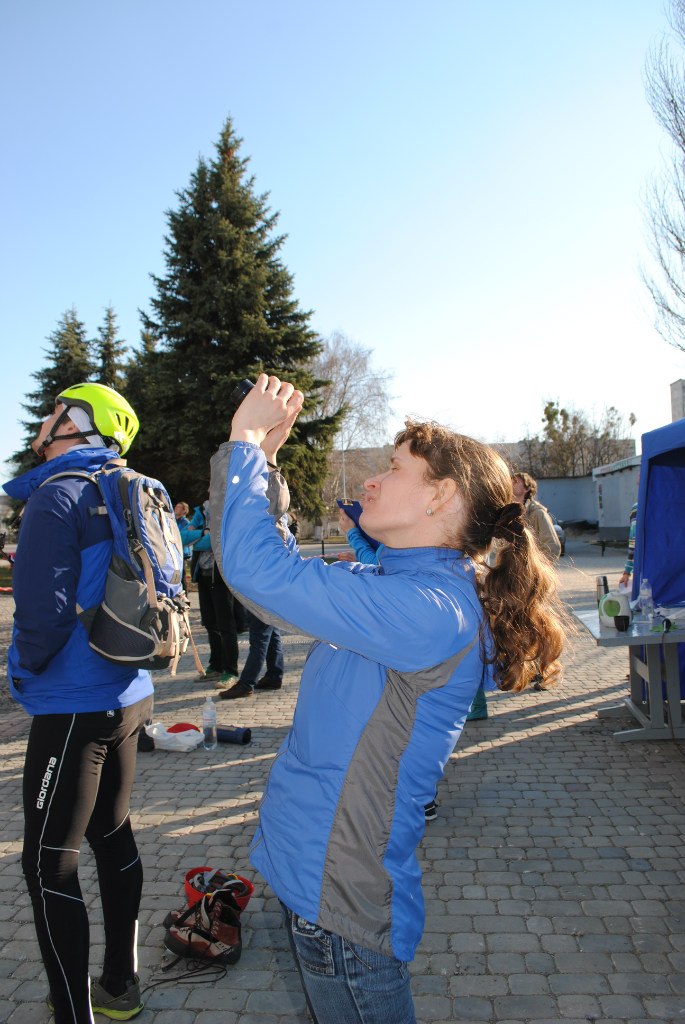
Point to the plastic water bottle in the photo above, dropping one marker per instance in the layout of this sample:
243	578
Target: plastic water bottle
646	599
209	724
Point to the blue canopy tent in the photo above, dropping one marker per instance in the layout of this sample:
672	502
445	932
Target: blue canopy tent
660	526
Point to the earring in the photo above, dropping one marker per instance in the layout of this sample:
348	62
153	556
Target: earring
429	511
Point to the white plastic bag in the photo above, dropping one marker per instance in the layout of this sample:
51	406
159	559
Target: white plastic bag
179	741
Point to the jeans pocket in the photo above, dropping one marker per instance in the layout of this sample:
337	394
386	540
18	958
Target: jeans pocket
313	945
376	962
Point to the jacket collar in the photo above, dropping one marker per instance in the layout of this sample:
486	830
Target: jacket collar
404	559
85	458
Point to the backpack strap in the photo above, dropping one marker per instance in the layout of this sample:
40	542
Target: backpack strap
142	554
68	473
95	510
85	615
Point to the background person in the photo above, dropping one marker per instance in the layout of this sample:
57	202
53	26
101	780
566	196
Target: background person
362	551
181	512
628	568
537	517
188	536
87	711
265	652
402	648
216	613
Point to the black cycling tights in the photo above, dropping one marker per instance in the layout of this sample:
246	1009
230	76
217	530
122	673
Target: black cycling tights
77	782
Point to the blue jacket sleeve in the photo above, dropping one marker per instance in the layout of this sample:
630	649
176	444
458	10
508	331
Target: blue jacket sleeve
46	577
197	520
362	549
399	620
189	537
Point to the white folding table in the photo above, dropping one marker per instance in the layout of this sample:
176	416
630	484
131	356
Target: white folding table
654	699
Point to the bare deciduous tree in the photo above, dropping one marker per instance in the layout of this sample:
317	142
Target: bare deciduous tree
361	392
665	85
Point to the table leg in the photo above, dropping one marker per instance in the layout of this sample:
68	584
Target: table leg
655	689
675	713
637	672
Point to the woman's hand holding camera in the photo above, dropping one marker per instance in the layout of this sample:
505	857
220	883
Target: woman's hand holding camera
266	414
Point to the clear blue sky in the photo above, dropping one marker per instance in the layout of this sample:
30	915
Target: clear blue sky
462	184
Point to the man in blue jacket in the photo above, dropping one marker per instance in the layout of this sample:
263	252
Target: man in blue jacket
87	712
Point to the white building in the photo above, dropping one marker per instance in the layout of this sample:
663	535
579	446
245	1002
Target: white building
615	494
677	400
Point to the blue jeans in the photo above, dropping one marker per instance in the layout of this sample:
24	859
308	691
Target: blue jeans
265	646
345	983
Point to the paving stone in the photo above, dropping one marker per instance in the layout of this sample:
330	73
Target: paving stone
625	1007
432	1007
506	963
524	1007
166	997
466	943
429	985
584	963
478	985
28	1013
665	1008
215	1017
173	1017
579	1005
605	943
527	984
269	1018
276	1002
471	1008
640	984
582	984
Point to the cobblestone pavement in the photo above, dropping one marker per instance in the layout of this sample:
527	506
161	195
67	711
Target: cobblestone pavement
553	874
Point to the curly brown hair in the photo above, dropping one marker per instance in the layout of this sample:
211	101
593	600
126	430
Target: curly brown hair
519	593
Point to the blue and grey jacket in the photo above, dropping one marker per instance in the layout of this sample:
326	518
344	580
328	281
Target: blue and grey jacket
62	560
383	698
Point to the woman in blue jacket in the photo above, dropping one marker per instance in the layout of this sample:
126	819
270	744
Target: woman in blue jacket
401	649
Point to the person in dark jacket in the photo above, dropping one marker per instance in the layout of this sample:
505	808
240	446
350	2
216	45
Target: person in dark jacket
217	614
86	711
401	648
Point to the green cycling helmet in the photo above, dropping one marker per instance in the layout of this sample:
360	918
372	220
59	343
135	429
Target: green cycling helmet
107	410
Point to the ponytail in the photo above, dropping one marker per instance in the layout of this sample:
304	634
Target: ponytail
519	596
519	593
